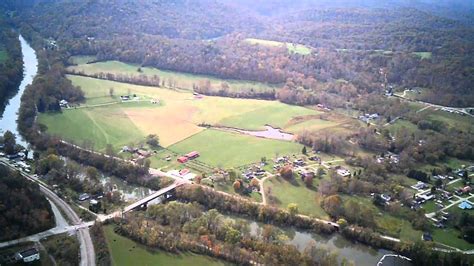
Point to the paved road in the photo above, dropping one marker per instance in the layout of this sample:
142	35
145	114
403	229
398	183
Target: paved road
83	235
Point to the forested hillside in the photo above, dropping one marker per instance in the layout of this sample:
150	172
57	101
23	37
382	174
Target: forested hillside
11	64
353	43
23	209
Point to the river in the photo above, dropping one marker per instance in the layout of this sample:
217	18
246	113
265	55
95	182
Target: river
10	115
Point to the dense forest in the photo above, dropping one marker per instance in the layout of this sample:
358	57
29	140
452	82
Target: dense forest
208	37
23	209
11	64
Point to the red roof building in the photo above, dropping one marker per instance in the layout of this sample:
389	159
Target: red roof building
182	159
192	155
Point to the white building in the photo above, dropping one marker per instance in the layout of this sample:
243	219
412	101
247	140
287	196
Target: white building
28	255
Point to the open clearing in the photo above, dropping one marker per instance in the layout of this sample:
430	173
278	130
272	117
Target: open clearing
182	80
175	118
423	55
3	55
292	47
225	149
124	251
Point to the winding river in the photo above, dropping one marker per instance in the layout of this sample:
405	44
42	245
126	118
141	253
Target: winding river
10	115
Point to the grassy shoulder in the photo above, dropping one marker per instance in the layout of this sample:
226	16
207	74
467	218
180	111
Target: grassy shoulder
126	252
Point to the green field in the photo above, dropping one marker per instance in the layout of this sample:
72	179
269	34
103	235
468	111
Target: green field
399	124
285	192
100	126
3	55
124	251
174	118
182	80
275	115
423	55
449	236
225	149
82	59
292	47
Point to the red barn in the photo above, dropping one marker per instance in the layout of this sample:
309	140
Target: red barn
192	155
182	159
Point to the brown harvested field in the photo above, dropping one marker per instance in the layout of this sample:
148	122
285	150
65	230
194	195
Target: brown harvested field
171	123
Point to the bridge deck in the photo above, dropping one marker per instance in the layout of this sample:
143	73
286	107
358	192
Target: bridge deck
150	197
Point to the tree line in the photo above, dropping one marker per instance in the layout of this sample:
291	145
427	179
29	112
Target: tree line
24	210
11	63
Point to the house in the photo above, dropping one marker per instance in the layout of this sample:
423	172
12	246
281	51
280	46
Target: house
192	155
143	153
298	162
343	172
465	190
420	185
84	196
184	172
182	159
427	237
385	197
465	205
63	104
28	255
95	205
314	158
368	117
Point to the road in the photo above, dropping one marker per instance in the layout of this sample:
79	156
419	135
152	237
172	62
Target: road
83	234
462	110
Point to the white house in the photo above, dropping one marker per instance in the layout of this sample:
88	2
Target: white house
28	255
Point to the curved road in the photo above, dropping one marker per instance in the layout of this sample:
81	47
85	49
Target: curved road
83	235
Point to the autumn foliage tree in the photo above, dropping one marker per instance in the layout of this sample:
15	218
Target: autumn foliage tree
286	172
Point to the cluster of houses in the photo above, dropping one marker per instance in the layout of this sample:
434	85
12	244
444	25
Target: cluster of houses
141	153
367	118
388	157
190	156
253	172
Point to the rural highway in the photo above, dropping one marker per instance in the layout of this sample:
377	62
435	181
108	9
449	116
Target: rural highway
83	235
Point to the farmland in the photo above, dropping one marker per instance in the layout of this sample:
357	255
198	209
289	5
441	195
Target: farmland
180	79
292	47
175	119
228	149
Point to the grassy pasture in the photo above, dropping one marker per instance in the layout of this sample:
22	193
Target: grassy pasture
124	251
285	192
82	59
423	55
183	80
3	55
101	126
311	125
292	47
225	149
276	115
179	113
175	118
